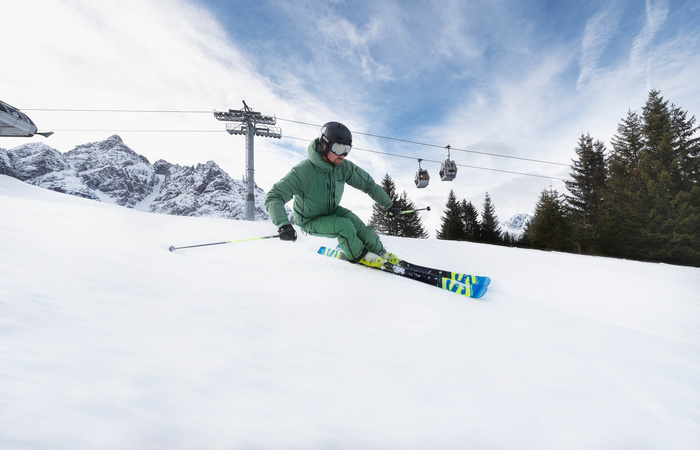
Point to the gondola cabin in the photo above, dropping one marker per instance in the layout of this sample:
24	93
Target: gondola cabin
14	122
448	170
422	176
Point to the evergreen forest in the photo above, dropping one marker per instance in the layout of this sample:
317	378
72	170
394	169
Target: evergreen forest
638	200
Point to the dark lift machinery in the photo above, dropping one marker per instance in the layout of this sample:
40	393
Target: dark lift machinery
14	122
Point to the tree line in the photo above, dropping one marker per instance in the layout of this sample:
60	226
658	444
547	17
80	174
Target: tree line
460	221
640	200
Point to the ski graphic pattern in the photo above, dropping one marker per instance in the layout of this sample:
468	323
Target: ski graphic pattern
476	290
460	277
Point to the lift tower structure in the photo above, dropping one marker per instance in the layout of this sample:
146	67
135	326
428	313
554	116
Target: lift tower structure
248	123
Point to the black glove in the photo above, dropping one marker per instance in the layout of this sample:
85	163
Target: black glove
394	211
287	233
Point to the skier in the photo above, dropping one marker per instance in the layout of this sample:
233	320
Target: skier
317	185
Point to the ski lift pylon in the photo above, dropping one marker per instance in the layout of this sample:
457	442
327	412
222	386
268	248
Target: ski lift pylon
422	177
448	169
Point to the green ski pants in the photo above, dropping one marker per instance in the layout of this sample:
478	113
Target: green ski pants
353	235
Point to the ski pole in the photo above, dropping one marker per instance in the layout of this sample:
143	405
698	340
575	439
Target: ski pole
173	248
409	211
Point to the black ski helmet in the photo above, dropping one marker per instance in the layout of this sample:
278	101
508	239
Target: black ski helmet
334	133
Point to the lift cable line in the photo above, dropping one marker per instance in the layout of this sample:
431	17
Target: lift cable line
468	151
307	140
407	141
114	130
465	165
440	162
158	111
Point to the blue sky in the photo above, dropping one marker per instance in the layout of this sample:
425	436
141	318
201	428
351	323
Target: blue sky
514	78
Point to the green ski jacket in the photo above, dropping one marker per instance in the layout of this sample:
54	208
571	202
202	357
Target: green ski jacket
317	187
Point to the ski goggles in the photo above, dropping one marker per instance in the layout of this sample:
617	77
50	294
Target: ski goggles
341	149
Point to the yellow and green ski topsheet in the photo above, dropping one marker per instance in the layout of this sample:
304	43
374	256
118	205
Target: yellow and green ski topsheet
467	285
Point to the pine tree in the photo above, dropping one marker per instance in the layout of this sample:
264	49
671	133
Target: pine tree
451	228
490	228
628	145
407	225
549	228
659	153
688	145
684	246
659	161
667	165
685	241
508	240
589	175
380	220
622	213
470	221
524	240
650	208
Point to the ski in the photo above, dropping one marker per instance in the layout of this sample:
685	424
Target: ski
460	277
456	276
449	284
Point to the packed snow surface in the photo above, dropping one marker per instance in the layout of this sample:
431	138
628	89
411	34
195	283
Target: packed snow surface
110	341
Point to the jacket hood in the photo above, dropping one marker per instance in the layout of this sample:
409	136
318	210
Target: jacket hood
316	158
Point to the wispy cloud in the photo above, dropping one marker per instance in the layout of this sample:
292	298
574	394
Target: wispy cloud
154	55
656	14
351	45
497	76
599	30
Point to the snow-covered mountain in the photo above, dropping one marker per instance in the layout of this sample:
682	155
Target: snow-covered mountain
515	226
109	171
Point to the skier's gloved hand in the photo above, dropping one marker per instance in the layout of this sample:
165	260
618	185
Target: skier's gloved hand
394	211
287	233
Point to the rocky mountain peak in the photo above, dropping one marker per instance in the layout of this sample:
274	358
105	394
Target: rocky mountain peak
515	226
111	171
34	160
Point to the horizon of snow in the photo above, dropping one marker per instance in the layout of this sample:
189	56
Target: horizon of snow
111	341
71	178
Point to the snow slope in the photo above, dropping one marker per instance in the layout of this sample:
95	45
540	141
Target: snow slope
109	341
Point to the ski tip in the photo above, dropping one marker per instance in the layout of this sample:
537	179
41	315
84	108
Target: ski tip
478	290
172	248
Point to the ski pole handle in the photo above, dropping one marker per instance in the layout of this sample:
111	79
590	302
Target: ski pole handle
409	211
173	248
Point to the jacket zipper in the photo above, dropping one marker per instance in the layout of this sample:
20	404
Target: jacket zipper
331	190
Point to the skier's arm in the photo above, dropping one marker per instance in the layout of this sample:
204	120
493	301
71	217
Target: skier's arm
282	192
363	181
